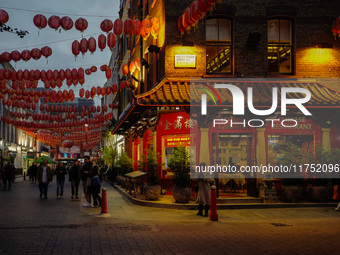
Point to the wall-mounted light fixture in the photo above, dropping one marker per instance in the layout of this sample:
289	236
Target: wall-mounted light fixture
154	48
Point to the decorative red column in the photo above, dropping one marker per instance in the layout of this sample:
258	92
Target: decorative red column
213	216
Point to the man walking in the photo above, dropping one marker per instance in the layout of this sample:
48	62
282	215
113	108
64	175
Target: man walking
9	171
45	176
74	178
87	169
34	170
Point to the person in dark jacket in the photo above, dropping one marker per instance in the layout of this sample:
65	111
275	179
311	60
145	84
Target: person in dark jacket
8	173
74	178
60	172
44	176
95	187
87	169
34	169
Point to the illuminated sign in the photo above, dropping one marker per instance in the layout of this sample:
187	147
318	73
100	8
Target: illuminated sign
177	141
185	61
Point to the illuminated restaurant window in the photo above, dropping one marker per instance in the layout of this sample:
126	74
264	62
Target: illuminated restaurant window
280	46
218	45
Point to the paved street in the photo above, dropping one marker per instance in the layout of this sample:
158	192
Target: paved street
29	225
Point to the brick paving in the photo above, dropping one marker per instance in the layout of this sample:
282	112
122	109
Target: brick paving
29	225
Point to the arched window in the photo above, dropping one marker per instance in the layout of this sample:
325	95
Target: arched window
219	45
280	46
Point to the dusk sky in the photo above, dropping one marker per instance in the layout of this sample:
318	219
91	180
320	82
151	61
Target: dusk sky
21	14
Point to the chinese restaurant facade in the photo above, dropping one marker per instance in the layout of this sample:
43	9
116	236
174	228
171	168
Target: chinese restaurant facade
262	45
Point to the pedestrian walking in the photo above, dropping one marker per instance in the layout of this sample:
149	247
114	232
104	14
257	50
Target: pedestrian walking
75	177
60	172
87	168
45	176
8	173
95	186
29	172
34	170
203	193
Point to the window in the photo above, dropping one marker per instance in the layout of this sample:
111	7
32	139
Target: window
218	46
280	46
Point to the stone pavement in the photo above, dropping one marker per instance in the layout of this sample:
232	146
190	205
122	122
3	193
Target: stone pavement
29	225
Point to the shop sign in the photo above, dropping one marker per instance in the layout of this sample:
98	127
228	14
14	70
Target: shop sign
185	61
179	124
177	141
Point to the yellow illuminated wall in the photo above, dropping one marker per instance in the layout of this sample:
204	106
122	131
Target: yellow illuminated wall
318	62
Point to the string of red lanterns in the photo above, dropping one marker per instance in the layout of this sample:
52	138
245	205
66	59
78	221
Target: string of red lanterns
26	54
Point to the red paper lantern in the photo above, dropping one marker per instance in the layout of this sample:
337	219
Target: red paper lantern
132	67
40	21
106	25
88	71
99	90
66	23
3	16
55	75
8	74
74	74
122	85
31	73
202	6
103	91
54	22
67	143
75	48
62	75
16	55
6	56
336	27
81	74
46	51
59	83
98	108
93	92
101	42
92	45
155	24
103	68
81	24
93	69
108	73
47	84
105	108
81	92
69	82
87	94
114	88
49	75
125	69
137	63
111	40
68	74
128	26
83	46
146	26
137	27
118	27
26	55
108	90
14	76
37	75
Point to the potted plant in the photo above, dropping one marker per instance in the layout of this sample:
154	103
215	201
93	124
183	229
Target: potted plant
110	156
291	187
125	163
179	163
319	183
149	164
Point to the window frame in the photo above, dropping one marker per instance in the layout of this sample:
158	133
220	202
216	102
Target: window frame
232	62
292	46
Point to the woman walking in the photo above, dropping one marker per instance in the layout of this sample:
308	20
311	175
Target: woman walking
203	193
95	187
60	172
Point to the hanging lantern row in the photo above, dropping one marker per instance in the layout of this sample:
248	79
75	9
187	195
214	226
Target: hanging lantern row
99	91
55	22
26	54
3	17
195	12
336	28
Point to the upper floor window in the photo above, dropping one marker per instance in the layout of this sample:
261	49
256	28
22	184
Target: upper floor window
280	46
218	45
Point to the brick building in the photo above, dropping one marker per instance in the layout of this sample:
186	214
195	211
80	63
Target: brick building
259	44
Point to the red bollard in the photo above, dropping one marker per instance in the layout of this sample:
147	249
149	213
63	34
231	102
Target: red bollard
104	202
24	176
213	216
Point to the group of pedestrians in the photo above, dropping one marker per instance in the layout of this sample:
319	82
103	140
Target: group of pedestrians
7	175
88	173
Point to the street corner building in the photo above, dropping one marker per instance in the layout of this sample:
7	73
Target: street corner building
185	48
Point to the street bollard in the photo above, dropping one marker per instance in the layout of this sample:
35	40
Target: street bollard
213	216
24	176
104	202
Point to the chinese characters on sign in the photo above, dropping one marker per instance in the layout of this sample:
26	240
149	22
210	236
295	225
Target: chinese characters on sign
178	124
185	61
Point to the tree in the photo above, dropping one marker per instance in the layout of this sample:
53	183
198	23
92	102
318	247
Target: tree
149	164
180	164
